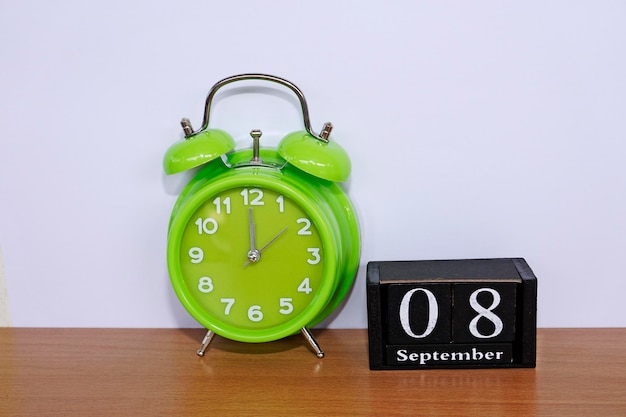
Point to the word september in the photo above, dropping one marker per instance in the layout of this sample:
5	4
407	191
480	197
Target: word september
453	355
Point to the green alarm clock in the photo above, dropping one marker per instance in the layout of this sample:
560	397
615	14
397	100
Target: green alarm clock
263	243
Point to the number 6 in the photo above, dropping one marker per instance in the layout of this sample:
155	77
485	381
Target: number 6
255	314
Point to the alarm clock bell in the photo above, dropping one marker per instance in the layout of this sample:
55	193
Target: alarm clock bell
323	159
307	150
197	149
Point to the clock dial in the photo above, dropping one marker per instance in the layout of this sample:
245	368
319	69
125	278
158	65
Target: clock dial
251	258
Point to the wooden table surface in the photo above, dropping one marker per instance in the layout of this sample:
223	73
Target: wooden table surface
155	372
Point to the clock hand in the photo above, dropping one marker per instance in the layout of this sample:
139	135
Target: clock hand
253	254
252	231
272	240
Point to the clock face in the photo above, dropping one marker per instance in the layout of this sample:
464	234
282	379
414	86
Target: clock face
251	259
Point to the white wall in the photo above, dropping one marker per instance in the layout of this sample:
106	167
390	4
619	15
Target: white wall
476	129
5	313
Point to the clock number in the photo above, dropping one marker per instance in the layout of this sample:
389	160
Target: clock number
316	256
286	306
205	285
218	205
486	313
281	203
433	313
208	225
304	231
196	255
229	304
249	200
255	314
305	286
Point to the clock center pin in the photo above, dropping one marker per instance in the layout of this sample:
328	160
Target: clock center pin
254	256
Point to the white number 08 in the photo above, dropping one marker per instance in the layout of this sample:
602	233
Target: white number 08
433	313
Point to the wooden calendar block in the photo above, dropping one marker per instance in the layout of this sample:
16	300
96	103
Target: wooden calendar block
451	314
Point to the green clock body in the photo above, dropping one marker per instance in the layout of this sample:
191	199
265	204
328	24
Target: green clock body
306	237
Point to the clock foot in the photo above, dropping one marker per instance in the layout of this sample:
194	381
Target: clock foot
205	343
309	338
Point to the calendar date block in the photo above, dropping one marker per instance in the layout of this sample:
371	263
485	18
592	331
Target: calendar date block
469	313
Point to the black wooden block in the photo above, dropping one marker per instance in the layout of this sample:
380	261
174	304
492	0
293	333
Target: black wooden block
451	314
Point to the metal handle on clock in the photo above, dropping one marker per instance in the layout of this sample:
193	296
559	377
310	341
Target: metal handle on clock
323	136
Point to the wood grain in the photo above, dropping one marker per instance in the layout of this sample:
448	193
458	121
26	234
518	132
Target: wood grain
155	372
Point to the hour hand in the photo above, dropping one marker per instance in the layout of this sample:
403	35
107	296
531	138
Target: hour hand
253	254
252	230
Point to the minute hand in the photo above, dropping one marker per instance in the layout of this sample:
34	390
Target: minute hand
272	240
